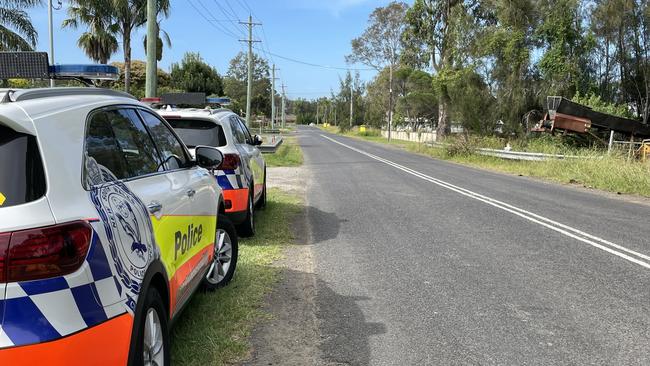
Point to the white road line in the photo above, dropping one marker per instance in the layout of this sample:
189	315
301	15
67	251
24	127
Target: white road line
605	245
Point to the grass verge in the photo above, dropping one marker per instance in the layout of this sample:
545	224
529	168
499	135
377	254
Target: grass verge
597	170
214	328
288	154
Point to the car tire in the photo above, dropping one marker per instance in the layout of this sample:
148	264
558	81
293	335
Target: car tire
152	345
224	261
247	228
261	204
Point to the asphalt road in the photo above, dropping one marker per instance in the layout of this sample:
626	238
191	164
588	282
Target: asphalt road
425	262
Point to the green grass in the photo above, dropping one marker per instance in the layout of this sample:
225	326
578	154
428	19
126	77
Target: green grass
613	173
288	154
214	328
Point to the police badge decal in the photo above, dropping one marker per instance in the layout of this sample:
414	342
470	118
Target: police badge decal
128	228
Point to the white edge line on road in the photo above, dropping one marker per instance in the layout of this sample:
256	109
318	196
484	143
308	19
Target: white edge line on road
535	218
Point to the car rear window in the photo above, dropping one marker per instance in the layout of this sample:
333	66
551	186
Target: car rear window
22	178
195	132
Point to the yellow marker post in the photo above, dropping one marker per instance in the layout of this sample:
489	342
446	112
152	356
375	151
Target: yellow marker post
2	199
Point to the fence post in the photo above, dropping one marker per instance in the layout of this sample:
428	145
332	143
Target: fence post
611	142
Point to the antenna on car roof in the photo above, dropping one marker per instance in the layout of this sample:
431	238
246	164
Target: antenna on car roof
35	65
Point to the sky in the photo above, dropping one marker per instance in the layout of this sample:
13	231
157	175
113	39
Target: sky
312	31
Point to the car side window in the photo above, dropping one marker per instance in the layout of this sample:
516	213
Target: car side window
171	149
237	132
118	140
247	133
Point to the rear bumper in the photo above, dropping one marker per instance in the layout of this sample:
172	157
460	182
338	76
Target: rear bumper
237	204
104	344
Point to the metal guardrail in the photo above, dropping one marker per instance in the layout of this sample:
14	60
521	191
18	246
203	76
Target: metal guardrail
518	155
272	146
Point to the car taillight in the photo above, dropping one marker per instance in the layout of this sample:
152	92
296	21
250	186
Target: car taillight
230	162
4	246
46	252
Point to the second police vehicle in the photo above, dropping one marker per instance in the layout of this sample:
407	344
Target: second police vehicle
107	224
242	174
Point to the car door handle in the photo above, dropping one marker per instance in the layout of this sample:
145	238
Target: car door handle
191	193
154	207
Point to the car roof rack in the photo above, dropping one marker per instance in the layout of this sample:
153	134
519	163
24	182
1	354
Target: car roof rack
29	94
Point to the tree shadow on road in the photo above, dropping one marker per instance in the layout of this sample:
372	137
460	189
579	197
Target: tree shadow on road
324	225
312	324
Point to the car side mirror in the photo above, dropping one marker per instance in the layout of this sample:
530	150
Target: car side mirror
208	157
257	140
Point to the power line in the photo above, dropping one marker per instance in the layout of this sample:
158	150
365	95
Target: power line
232	21
213	24
317	65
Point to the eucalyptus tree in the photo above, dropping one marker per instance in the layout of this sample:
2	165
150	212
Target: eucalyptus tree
380	45
17	33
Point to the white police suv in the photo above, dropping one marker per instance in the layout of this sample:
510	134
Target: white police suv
242	174
107	225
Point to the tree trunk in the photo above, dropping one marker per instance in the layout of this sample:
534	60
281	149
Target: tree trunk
444	127
127	60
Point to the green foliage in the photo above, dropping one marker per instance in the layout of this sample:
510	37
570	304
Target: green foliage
193	74
138	79
236	84
17	33
470	101
596	103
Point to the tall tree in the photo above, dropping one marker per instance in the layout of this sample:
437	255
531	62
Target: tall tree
129	15
98	41
195	75
429	38
380	45
236	80
17	33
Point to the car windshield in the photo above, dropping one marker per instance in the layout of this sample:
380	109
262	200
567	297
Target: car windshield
196	132
21	179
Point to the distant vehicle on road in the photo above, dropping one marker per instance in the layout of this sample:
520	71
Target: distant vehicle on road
242	174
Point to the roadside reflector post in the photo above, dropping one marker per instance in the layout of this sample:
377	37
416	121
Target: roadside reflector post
611	142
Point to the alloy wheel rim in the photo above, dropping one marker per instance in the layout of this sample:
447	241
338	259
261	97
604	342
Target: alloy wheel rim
222	257
153	345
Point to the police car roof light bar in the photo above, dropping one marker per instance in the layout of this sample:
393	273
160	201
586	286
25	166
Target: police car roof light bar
35	65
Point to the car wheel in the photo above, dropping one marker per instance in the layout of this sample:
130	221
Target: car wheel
224	262
247	228
262	202
152	337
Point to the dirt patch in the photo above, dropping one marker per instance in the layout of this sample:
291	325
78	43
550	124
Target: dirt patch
291	335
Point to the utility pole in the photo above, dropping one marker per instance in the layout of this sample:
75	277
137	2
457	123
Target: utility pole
351	103
50	24
390	98
317	111
273	78
151	81
250	41
284	118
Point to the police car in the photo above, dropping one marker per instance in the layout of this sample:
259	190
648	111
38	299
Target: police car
242	174
107	225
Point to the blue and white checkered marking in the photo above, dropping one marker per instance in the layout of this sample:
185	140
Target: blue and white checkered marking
230	179
45	310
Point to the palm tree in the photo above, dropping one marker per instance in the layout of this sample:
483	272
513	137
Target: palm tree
17	33
130	15
163	39
99	41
